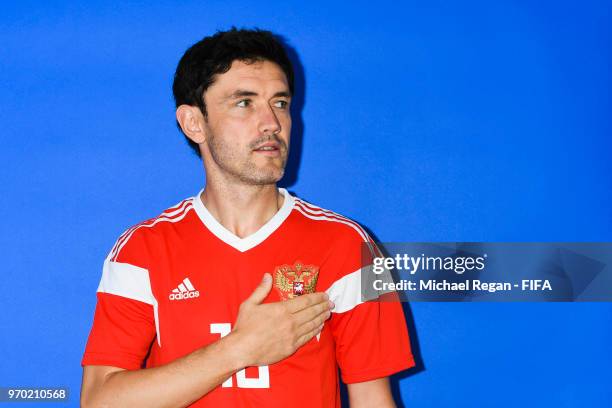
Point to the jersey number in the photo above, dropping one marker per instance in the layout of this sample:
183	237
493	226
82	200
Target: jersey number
263	380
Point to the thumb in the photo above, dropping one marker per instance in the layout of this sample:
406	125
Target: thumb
261	291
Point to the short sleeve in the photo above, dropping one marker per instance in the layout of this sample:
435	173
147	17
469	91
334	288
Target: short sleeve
371	337
124	325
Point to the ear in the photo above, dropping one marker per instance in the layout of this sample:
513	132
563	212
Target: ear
191	120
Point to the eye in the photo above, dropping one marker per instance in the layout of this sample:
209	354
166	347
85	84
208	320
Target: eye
281	104
244	103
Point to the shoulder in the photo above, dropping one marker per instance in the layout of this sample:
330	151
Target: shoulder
138	238
331	223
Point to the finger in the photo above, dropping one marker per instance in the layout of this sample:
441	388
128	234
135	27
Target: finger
302	302
261	291
312	312
312	324
306	337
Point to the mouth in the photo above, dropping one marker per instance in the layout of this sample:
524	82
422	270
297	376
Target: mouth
269	149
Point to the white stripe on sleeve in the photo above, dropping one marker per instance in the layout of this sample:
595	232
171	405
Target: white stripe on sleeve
131	282
346	292
126	280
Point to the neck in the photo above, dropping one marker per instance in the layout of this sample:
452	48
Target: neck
242	209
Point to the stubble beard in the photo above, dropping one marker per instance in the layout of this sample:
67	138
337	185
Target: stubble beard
242	167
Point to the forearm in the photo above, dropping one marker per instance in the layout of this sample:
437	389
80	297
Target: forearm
176	384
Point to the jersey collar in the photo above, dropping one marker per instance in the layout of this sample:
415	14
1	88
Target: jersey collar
256	238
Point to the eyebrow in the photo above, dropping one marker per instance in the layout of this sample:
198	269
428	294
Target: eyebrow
240	93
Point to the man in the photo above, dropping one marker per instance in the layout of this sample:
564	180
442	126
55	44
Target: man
243	295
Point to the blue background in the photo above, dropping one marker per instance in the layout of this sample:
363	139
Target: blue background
431	121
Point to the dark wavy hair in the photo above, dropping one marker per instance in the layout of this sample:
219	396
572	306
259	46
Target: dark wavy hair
214	55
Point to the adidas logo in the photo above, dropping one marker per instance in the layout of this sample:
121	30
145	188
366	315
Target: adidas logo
185	290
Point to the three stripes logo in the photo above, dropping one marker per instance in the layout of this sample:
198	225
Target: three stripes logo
185	290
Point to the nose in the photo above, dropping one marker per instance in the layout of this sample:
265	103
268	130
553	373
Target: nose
268	122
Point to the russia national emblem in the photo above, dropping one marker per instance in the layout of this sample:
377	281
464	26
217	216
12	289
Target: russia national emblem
295	280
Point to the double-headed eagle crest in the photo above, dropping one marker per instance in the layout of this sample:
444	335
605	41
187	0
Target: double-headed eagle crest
295	280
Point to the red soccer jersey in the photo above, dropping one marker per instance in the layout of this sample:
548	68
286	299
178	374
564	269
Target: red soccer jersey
173	284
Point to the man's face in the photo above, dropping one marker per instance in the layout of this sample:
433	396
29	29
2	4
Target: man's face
248	123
